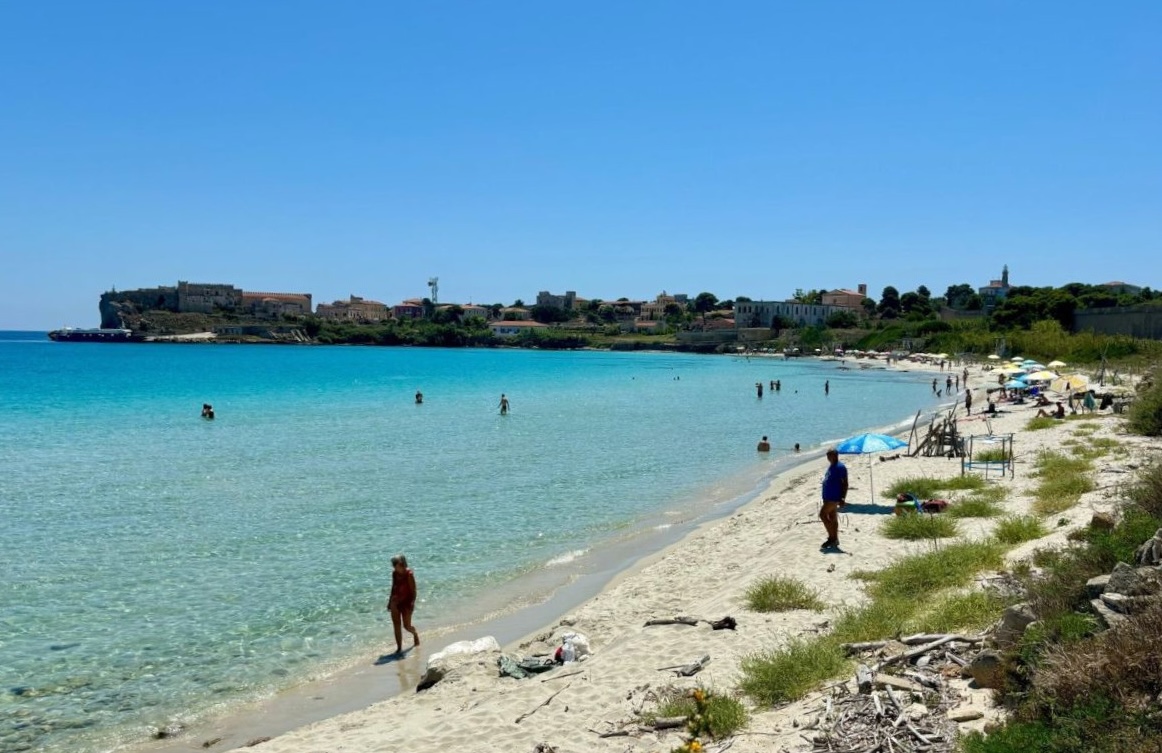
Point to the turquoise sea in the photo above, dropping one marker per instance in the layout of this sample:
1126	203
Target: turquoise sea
156	566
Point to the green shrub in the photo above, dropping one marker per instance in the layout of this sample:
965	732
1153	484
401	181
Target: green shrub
723	715
915	526
926	487
1018	529
789	673
778	594
1146	412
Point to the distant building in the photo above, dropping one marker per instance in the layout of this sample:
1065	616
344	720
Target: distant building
206	298
472	309
412	308
763	313
1121	288
273	305
995	291
848	299
657	309
515	313
567	302
355	309
513	328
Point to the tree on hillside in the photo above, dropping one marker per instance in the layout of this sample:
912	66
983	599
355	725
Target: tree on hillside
549	314
843	320
869	306
518	304
924	292
812	296
889	306
746	299
957	296
704	303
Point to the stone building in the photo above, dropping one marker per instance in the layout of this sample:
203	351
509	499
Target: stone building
273	305
355	309
849	299
206	298
567	302
763	313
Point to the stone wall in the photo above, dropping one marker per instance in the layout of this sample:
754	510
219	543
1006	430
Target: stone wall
1136	321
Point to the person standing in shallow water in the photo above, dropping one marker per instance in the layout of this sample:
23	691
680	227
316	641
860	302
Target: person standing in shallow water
834	497
827	387
402	601
419	398
764	445
503	405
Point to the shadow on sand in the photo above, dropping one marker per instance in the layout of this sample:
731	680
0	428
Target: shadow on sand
393	657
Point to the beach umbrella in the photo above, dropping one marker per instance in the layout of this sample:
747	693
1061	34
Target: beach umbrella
994	357
1016	359
1041	376
1016	384
1073	382
1057	364
867	444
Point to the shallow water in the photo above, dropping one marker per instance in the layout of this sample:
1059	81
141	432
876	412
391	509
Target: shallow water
157	565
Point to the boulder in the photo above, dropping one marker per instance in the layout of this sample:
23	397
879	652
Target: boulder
455	656
916	711
987	669
1134	581
1096	586
1106	616
1150	553
1103	521
1013	623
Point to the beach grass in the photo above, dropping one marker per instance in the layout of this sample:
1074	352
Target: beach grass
926	487
991	455
969	611
877	620
950	565
973	507
1063	479
724	714
789	673
1017	529
1037	423
779	594
914	526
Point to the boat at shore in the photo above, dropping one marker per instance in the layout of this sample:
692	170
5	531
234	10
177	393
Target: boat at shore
102	335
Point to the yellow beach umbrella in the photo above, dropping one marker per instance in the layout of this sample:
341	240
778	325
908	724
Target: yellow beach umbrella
1057	364
1041	376
1073	382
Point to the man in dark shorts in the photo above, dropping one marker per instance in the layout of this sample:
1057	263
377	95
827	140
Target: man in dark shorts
834	497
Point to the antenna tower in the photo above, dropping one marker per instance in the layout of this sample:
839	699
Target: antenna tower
434	284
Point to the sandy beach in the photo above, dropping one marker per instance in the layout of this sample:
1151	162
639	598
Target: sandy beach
705	575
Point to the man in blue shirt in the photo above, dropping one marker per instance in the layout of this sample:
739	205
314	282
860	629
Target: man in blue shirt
834	497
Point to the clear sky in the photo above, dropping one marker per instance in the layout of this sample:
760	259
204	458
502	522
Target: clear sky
612	148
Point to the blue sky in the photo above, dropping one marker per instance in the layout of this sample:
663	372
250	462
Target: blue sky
746	148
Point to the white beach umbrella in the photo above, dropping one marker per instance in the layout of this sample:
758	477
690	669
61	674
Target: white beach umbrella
1016	359
994	357
1057	364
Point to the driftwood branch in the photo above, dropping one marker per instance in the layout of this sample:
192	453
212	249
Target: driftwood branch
859	648
611	733
669	722
545	702
864	678
566	674
681	620
693	668
920	650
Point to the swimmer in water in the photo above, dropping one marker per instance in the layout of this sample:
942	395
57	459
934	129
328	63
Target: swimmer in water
419	398
503	405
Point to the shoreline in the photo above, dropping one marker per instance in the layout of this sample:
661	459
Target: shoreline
361	683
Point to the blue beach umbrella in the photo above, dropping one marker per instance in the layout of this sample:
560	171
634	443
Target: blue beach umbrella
866	444
1016	384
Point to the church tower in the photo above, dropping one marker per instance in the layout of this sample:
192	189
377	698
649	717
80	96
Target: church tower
1005	276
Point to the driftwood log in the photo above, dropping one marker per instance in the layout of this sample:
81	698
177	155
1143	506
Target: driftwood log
692	621
693	668
542	704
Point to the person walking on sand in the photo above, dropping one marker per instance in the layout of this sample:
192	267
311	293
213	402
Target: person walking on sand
402	601
834	497
503	405
968	401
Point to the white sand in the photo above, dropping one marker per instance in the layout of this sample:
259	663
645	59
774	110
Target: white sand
704	575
